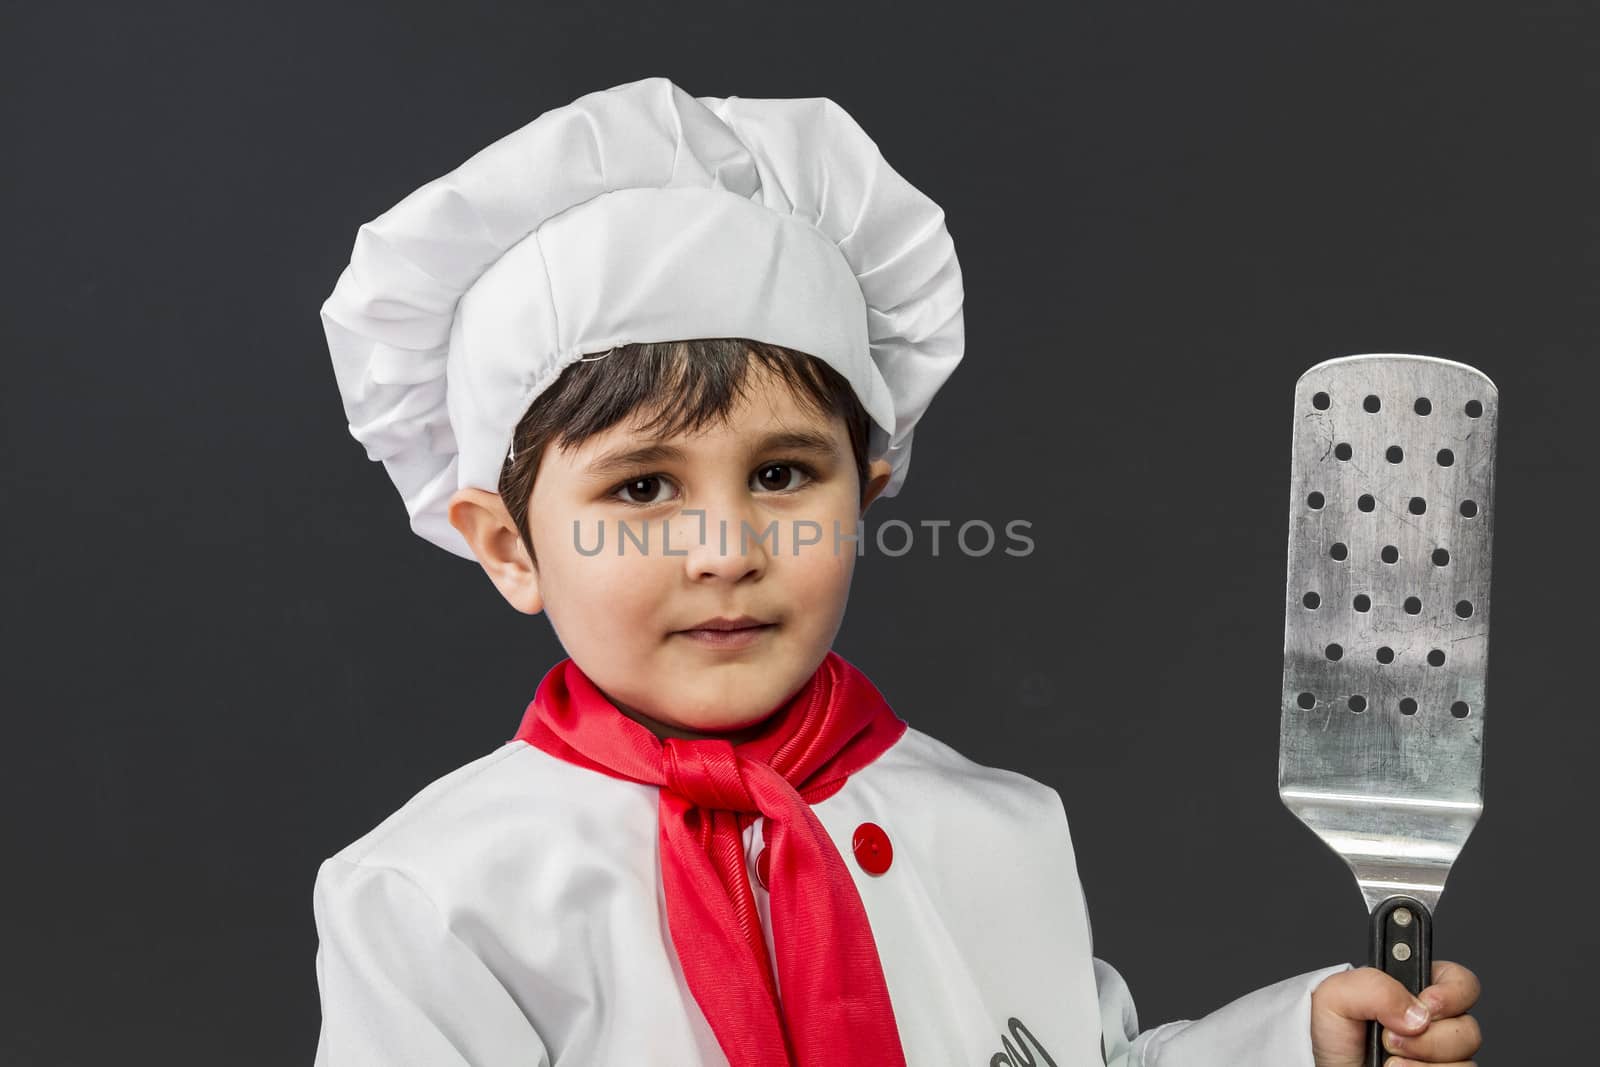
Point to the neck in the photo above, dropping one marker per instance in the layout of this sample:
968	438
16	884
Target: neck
667	729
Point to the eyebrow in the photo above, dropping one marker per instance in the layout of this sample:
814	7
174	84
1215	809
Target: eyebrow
616	463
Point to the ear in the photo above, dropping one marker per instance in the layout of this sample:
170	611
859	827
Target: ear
878	472
483	521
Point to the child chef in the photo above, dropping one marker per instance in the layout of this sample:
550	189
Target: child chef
648	360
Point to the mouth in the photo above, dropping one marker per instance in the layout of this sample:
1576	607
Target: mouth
729	633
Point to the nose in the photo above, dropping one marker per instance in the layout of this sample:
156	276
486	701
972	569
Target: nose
723	539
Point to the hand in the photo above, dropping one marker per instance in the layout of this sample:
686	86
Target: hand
1440	1031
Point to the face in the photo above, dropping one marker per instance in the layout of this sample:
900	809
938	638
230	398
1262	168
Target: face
774	472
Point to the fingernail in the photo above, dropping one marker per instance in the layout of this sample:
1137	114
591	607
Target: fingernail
1392	1041
1417	1014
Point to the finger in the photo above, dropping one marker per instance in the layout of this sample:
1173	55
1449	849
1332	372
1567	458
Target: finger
1396	1061
1454	990
1444	1041
1368	993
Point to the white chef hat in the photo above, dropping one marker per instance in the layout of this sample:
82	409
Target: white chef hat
636	213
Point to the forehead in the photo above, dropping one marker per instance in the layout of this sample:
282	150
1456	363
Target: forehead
767	415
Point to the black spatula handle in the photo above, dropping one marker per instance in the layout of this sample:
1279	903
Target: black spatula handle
1402	947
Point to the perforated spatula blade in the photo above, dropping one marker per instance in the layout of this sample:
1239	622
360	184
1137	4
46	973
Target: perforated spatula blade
1386	633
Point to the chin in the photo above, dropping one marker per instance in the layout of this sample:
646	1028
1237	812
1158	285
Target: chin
733	695
721	717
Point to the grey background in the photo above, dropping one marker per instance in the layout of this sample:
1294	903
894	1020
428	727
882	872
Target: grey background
228	656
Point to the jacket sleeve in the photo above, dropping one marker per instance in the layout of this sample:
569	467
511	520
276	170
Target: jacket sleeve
399	989
1270	1027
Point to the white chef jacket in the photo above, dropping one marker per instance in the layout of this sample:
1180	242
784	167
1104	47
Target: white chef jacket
512	914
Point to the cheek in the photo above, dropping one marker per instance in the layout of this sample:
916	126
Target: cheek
611	586
600	589
822	571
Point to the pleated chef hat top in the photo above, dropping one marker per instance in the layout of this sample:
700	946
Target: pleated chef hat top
634	214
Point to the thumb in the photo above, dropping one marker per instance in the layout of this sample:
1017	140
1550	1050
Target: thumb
1368	993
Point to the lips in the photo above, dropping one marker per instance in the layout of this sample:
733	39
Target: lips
723	632
724	623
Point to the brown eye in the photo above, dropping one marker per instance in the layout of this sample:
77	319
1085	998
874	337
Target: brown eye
644	488
777	477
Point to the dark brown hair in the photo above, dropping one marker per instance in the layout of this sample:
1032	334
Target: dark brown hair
686	384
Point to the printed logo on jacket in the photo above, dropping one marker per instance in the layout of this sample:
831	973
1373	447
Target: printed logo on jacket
1018	1055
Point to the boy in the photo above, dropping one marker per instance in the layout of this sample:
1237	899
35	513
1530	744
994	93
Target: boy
648	360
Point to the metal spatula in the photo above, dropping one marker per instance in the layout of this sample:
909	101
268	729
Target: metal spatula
1386	633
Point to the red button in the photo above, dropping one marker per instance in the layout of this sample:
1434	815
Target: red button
763	868
872	848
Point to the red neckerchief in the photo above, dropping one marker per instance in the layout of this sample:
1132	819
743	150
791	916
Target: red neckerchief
835	1006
